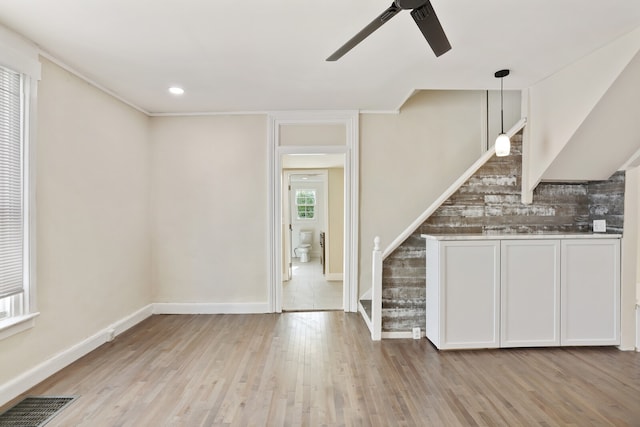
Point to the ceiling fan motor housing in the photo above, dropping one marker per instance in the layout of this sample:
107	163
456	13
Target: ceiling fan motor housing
410	4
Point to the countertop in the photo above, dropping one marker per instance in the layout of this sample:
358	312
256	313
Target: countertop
521	236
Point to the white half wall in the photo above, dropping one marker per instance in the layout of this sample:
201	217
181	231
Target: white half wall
629	258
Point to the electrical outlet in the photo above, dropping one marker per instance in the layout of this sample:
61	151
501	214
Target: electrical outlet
417	334
599	225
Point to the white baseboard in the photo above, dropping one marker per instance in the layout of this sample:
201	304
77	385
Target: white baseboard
334	277
365	317
400	335
638	327
23	382
210	308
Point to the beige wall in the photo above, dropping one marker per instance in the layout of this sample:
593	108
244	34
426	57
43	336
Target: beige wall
408	160
335	233
310	134
636	236
93	258
209	206
511	104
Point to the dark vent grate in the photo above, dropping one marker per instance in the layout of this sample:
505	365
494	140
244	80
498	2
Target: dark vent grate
34	411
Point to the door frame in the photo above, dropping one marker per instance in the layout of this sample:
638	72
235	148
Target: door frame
351	174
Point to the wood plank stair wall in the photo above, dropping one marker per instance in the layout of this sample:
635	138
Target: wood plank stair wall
489	202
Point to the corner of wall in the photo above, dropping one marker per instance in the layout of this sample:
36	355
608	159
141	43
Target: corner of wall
23	382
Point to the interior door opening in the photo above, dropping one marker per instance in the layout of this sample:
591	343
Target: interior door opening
313	238
313	134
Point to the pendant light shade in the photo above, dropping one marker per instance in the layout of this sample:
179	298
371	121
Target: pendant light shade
503	143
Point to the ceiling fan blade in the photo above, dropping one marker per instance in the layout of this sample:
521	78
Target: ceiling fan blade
431	28
365	32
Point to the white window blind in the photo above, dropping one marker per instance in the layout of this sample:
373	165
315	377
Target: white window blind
11	184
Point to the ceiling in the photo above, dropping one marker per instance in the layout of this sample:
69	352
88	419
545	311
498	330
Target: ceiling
258	55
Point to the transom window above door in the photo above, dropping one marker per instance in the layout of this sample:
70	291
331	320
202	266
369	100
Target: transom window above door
306	204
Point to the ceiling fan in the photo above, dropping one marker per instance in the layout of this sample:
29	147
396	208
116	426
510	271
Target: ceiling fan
424	15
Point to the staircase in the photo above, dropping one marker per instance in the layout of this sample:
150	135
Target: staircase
489	203
582	129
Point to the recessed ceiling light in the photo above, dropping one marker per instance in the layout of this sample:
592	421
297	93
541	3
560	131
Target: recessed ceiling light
175	90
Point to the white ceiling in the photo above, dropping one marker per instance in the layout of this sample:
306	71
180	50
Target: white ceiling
257	55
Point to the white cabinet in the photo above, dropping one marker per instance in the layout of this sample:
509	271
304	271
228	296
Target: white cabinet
590	292
530	293
463	294
515	292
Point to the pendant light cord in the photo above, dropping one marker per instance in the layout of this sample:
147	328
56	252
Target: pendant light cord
501	107
501	74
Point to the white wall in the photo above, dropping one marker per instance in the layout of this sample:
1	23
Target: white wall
93	258
209	207
558	105
629	257
408	160
614	119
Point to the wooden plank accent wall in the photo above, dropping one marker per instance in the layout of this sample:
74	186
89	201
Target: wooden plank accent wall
606	201
489	203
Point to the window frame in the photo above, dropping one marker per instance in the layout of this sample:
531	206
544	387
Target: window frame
306	205
22	58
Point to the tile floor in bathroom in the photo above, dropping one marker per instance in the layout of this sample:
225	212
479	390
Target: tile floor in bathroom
308	289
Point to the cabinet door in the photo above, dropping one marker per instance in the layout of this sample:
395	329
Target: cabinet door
530	293
470	294
590	292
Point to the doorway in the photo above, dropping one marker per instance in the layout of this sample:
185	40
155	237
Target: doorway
313	126
313	240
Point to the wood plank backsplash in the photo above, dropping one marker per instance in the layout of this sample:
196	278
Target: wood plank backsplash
489	203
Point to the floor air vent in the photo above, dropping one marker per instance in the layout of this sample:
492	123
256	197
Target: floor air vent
34	411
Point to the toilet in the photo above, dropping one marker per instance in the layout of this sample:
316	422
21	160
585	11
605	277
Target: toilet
304	246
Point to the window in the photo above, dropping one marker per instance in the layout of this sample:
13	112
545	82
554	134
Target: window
306	204
14	199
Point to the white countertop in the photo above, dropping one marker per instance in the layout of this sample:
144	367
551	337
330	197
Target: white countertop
521	236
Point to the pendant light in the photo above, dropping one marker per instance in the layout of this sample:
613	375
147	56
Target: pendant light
503	143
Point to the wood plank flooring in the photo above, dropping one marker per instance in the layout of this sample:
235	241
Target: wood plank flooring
321	368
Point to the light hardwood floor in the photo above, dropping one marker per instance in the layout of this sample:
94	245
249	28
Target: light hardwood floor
321	368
